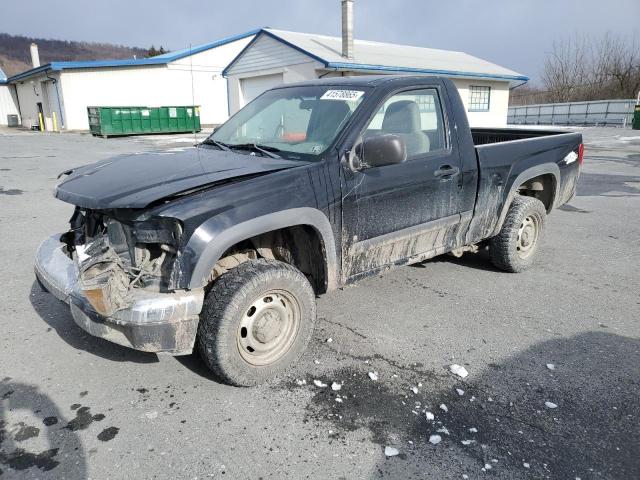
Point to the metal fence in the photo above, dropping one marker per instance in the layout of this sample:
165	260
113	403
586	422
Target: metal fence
617	113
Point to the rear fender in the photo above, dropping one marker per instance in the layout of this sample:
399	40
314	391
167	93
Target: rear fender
528	174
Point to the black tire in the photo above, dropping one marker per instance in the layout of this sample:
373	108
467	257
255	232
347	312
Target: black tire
507	249
223	336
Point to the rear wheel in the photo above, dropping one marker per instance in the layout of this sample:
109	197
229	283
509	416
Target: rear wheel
256	321
515	247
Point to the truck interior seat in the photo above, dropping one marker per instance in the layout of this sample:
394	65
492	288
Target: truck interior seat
402	118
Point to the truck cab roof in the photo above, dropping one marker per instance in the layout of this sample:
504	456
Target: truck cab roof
364	80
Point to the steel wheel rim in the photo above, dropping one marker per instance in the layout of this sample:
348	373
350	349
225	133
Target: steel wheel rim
527	236
268	327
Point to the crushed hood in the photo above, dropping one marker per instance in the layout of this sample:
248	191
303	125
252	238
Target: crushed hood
135	181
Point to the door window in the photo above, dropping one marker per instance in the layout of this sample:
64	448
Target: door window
416	117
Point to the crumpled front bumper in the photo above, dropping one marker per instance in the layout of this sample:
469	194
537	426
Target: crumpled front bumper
152	322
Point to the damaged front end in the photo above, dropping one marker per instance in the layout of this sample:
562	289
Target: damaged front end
114	268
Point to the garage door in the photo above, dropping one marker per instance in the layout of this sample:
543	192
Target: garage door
254	86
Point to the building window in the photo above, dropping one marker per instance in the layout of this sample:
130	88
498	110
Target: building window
479	98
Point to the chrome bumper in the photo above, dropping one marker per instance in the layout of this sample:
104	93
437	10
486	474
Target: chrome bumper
153	322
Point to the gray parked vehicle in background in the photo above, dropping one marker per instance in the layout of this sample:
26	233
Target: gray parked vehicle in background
223	247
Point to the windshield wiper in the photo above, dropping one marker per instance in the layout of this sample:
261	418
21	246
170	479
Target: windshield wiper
220	145
265	149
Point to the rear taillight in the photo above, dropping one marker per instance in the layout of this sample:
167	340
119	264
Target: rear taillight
581	154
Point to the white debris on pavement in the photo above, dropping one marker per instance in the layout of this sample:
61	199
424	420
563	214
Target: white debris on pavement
373	376
317	362
473	430
301	382
443	407
459	370
444	430
151	415
329	340
550	405
338	399
487	466
467	442
414	390
429	415
435	439
551	366
460	391
336	386
391	451
319	383
525	465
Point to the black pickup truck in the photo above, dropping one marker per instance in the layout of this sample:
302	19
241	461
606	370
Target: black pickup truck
223	246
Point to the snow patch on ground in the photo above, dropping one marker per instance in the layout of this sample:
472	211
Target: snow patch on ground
391	451
459	370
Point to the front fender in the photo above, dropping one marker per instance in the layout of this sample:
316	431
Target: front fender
215	236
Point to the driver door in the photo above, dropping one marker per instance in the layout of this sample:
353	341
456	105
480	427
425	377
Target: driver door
398	212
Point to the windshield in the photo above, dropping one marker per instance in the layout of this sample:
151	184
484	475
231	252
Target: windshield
295	122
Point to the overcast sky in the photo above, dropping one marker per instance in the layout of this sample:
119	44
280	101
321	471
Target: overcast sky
513	33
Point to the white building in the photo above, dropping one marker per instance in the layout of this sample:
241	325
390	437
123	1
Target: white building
274	57
8	101
192	76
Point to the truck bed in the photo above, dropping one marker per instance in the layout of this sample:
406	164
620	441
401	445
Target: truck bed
503	154
483	136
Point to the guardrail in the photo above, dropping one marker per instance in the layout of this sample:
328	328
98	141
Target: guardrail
618	113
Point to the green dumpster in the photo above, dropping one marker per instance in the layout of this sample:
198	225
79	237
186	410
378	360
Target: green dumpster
636	118
112	121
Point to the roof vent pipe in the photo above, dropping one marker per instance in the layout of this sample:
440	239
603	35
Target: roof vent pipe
347	29
35	56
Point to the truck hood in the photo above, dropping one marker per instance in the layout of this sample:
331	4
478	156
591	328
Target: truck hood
135	181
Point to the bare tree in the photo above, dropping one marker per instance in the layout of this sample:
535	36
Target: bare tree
585	68
618	65
567	68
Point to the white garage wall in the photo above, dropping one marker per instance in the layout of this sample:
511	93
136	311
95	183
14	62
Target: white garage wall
498	103
195	79
8	104
268	57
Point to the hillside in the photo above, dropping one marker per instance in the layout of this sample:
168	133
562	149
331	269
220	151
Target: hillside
15	56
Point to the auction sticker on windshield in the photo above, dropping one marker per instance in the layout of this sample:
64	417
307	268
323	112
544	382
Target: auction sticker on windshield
349	95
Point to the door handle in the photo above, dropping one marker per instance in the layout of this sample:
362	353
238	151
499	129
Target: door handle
446	171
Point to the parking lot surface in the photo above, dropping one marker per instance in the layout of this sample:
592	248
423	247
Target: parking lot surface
553	356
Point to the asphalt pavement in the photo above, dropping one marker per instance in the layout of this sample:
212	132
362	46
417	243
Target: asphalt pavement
552	354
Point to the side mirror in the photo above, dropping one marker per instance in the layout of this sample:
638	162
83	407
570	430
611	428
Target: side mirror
381	150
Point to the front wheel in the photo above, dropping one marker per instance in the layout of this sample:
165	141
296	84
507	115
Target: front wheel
515	247
257	320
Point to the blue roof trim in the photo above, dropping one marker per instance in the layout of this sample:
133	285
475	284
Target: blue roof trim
185	52
379	68
157	60
384	68
277	38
